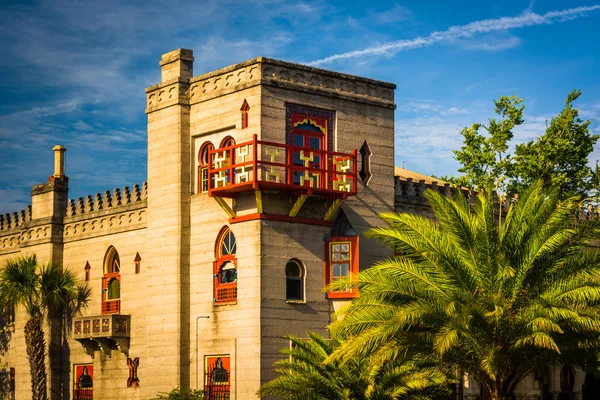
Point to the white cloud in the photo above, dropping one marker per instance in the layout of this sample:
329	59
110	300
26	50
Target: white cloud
465	31
494	45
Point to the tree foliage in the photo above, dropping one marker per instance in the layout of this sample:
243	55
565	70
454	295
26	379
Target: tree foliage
304	375
42	290
495	299
559	157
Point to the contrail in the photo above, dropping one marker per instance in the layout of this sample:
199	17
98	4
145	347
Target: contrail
528	18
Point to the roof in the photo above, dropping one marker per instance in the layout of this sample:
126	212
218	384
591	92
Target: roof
416	177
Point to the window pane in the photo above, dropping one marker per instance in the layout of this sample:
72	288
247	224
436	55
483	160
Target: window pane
113	289
315	143
345	269
293	289
228	273
336	270
292	270
299	140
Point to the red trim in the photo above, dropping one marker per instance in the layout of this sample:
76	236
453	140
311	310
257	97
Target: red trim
284	218
354	266
245	108
223	292
326	171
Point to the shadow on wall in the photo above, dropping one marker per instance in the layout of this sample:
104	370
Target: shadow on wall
5	335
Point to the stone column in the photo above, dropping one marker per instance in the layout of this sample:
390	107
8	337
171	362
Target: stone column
168	320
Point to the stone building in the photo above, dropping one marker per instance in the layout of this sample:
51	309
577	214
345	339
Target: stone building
262	177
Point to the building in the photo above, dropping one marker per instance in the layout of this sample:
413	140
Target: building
262	176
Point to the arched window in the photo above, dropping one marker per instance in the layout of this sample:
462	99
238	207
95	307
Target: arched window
245	108
294	281
227	142
111	282
203	162
225	267
567	379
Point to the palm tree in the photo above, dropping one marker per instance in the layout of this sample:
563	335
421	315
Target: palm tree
42	290
496	298
305	376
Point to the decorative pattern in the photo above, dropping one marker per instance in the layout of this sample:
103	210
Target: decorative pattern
271	175
343	165
307	175
133	365
337	84
219	161
242	173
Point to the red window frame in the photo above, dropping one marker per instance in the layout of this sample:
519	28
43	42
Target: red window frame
111	306
217	377
244	109
224	292
203	167
353	265
87	269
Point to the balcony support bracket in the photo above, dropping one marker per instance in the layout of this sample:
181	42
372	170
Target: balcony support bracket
332	210
259	202
89	346
298	205
230	213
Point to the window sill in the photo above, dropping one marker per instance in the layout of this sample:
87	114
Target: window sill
295	301
341	295
225	303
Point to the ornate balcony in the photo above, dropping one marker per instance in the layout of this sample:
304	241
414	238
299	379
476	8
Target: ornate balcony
103	333
260	165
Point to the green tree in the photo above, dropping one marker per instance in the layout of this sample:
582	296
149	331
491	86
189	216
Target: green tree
559	157
305	376
42	290
495	299
179	394
485	159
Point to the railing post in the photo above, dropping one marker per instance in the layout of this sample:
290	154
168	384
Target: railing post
354	154
254	160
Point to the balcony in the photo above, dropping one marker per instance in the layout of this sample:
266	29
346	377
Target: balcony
258	165
103	333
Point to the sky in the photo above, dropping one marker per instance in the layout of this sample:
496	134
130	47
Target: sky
74	72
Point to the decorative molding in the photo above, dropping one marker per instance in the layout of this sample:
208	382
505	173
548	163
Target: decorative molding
167	94
204	87
277	73
105	224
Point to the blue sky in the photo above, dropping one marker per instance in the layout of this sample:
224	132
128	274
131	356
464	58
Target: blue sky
74	72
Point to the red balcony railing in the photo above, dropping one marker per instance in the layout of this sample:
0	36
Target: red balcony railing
111	306
276	166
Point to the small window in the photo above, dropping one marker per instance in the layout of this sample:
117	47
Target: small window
203	162
87	271
111	282
365	163
12	386
294	277
217	377
138	263
225	267
342	266
245	108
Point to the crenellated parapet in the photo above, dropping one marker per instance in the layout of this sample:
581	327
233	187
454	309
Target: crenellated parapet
113	211
118	210
108	200
14	220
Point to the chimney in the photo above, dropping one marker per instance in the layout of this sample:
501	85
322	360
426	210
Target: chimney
59	161
50	199
177	64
